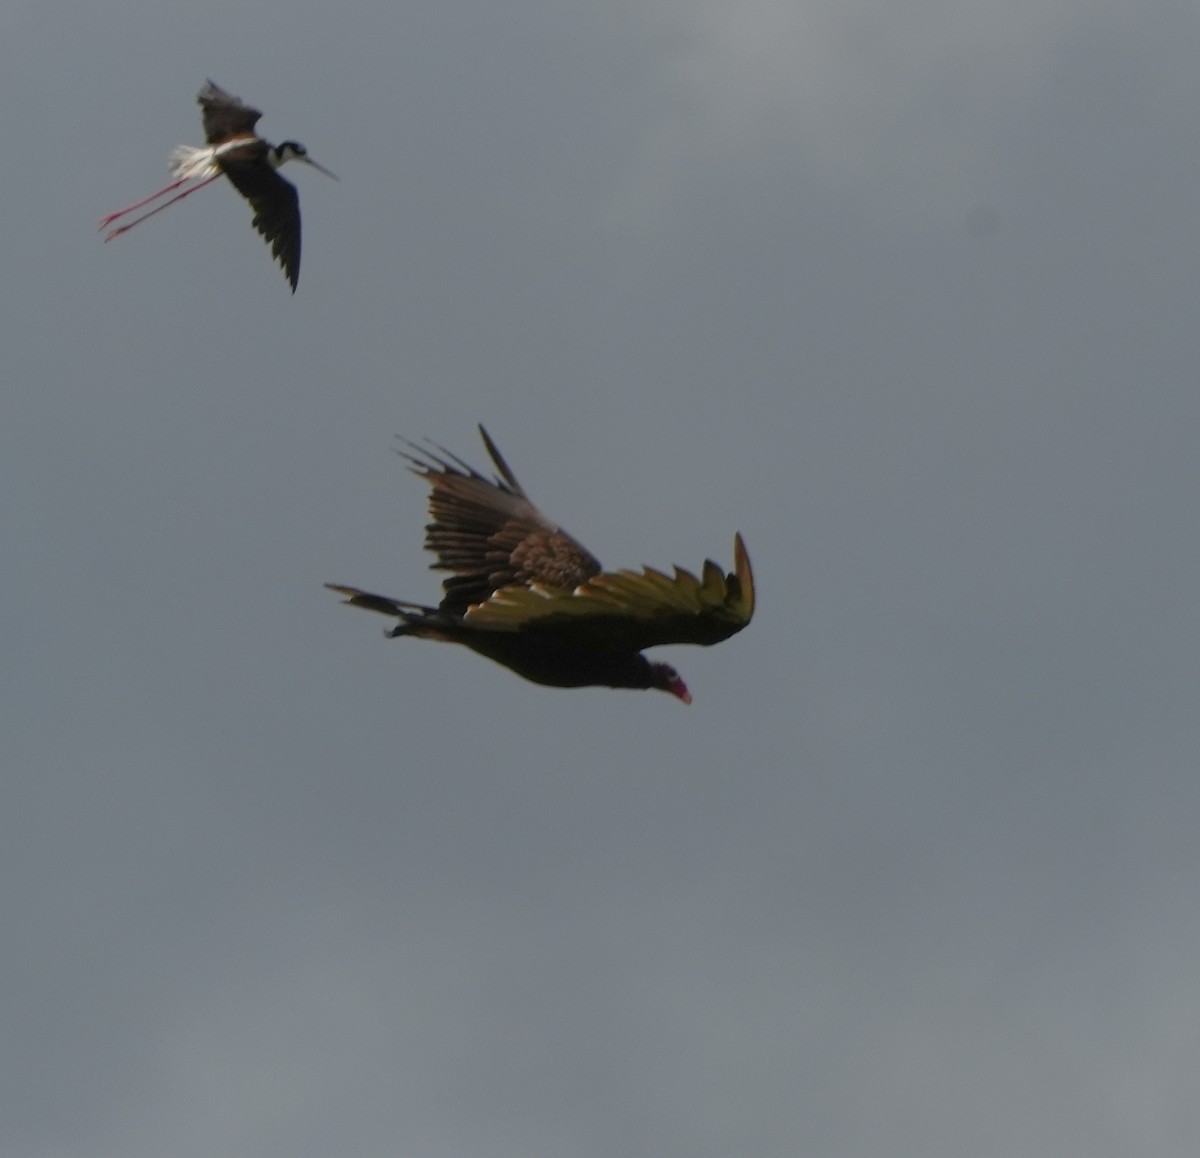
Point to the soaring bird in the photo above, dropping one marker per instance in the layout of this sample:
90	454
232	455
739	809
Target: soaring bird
249	162
526	594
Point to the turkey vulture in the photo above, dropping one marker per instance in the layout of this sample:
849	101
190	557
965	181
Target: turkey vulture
525	594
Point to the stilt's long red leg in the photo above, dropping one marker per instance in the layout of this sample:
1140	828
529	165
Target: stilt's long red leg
166	204
105	221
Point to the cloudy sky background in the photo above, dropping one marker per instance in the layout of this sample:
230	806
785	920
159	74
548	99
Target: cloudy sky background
905	292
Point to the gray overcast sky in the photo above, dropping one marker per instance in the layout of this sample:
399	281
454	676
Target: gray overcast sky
905	292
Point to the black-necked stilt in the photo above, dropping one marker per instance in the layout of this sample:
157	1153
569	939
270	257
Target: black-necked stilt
250	163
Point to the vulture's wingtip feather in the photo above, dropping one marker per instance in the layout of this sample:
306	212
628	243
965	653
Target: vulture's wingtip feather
744	575
503	467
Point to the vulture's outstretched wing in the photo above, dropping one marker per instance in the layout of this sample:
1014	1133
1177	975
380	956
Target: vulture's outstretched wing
488	533
628	610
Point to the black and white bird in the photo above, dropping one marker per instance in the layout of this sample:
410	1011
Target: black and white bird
251	163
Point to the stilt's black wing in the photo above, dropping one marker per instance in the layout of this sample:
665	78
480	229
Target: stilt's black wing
276	210
225	115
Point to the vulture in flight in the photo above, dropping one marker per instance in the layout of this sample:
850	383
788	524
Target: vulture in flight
526	594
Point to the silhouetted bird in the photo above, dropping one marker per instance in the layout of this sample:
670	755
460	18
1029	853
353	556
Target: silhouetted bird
526	594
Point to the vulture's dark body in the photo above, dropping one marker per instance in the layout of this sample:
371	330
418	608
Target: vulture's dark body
541	656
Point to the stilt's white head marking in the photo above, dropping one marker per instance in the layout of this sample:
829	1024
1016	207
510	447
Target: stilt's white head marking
288	151
294	151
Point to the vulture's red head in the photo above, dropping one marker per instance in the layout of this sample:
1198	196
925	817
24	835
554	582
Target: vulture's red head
665	677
